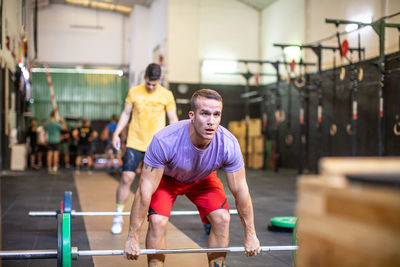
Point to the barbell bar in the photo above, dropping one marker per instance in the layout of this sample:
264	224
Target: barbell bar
66	207
75	253
111	213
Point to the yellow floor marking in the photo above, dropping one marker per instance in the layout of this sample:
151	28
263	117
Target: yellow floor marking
97	193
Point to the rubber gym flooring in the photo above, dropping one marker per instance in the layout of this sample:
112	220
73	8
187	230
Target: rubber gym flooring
273	194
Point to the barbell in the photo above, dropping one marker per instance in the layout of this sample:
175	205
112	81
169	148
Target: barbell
65	253
66	207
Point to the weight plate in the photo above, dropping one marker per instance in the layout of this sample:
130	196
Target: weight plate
287	221
279	229
67	201
59	240
66	240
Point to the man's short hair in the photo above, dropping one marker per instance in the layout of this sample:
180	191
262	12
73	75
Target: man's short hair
85	121
207	93
153	72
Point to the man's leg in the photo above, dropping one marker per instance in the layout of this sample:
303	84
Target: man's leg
90	164
219	236
131	160
124	187
155	239
210	199
123	191
56	159
49	159
78	164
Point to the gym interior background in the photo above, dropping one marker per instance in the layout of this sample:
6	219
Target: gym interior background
301	80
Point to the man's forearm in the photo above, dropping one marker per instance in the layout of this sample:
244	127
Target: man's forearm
245	209
123	120
138	213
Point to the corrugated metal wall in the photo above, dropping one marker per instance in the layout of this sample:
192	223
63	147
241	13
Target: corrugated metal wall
94	96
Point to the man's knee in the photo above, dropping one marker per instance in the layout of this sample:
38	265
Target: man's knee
219	218
157	226
127	178
158	223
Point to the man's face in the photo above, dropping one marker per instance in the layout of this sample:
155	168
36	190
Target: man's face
207	117
150	85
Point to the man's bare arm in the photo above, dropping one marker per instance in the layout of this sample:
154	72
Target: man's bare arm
172	117
238	186
123	120
149	181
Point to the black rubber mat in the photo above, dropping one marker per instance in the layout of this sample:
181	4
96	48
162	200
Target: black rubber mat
22	192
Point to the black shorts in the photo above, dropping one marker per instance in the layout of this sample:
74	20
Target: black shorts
131	160
42	148
53	147
84	150
34	148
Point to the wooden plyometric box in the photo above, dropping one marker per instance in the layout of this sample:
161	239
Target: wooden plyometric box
237	128
256	160
257	143
355	222
255	127
336	168
242	144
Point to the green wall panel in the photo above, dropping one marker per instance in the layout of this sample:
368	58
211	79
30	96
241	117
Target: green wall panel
95	96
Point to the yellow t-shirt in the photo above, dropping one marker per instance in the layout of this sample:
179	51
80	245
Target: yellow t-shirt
148	114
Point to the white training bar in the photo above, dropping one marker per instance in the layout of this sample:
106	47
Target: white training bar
109	213
181	251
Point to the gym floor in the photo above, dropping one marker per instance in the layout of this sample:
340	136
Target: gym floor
273	194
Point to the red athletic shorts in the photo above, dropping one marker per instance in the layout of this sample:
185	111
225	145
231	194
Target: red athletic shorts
207	194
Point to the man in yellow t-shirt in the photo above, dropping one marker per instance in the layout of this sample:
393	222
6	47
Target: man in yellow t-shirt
148	103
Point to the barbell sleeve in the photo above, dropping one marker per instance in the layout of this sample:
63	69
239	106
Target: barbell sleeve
28	254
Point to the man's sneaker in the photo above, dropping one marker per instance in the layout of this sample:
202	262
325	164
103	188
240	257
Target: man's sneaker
116	227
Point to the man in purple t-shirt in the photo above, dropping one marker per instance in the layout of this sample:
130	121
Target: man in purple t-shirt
182	159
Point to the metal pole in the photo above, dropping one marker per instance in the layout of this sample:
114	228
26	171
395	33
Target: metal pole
111	213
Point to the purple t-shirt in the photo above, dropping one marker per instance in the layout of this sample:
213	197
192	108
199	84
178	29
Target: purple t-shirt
172	149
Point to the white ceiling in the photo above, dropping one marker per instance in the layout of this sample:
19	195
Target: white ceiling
257	4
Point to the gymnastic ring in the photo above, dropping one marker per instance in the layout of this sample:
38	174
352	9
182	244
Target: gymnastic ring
303	139
396	128
348	129
360	74
300	81
342	73
289	139
333	130
282	116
